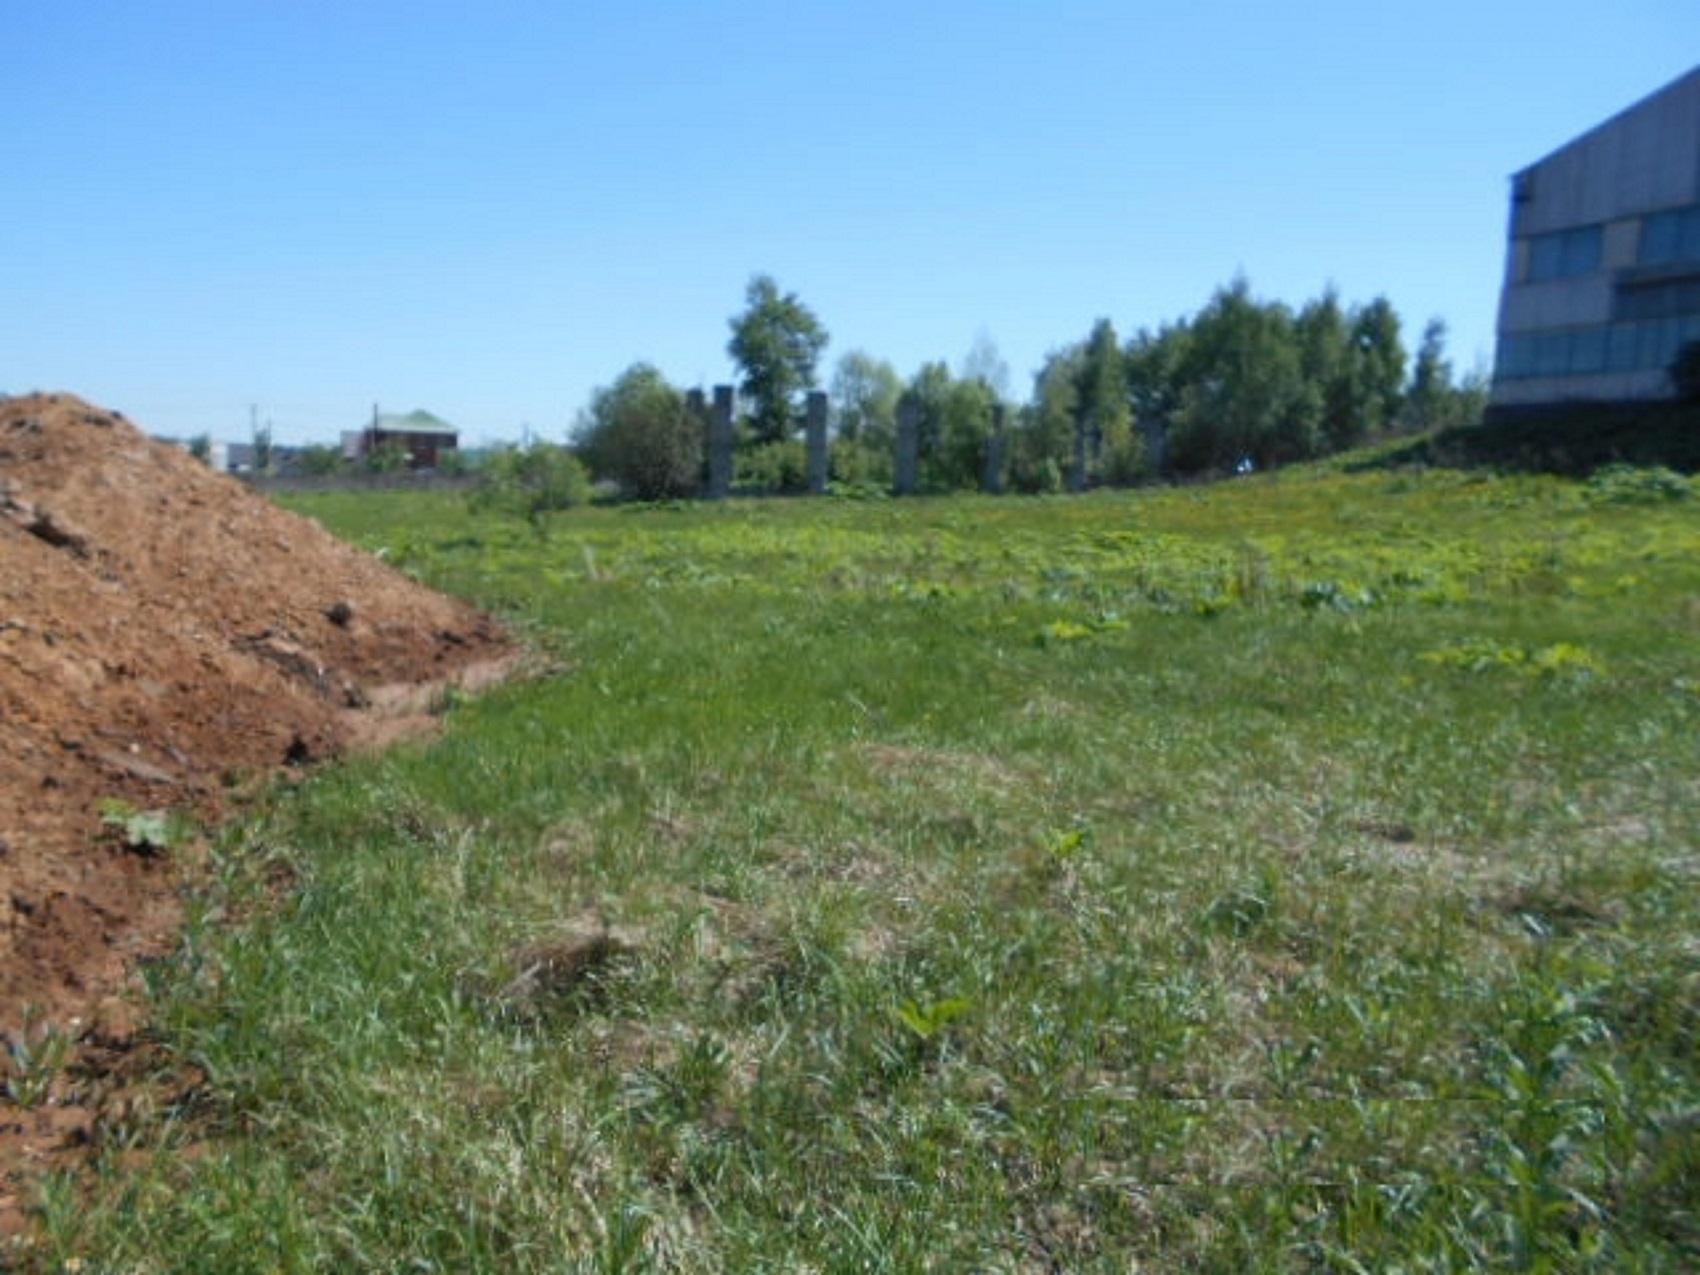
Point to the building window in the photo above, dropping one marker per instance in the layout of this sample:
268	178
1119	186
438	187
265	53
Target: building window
1513	361
1552	354
1617	347
1672	235
1671	298
1624	348
1658	343
1588	350
1564	254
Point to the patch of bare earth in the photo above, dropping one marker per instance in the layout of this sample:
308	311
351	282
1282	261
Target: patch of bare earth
164	633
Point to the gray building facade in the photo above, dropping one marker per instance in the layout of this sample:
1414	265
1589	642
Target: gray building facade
1602	273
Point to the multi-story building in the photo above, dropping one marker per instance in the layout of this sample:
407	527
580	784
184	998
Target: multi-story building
1602	277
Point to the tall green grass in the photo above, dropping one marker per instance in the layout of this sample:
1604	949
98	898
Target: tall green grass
1297	874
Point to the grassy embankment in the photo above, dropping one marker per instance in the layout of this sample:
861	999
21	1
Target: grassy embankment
1293	874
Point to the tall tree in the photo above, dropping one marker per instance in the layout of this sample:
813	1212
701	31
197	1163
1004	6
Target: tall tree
1435	398
1329	360
1381	365
776	342
865	391
1246	397
954	424
1104	445
984	363
1043	445
926	396
1156	362
1431	379
965	432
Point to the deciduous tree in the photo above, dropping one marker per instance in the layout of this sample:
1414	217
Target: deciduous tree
983	362
1043	446
776	343
1104	446
1329	360
954	424
865	391
1245	395
640	433
1431	379
1381	366
1156	363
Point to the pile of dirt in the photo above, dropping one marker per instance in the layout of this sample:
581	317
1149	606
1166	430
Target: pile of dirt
164	633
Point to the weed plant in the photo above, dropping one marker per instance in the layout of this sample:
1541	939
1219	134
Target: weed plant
1296	874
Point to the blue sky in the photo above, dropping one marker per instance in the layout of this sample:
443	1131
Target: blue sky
489	210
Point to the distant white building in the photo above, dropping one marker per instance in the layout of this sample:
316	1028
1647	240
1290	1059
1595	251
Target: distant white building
1602	274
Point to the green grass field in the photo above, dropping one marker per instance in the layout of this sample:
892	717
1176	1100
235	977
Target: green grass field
1297	874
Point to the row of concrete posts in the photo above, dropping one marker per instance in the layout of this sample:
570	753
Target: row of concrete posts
906	466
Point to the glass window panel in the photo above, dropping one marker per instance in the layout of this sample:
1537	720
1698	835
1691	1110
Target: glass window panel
1580	251
1673	340
1516	357
1621	354
1658	343
1525	350
1588	350
1672	235
1552	353
1544	256
1672	299
1564	254
1659	238
1532	354
1506	358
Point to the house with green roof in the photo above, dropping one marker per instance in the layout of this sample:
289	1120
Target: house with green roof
423	436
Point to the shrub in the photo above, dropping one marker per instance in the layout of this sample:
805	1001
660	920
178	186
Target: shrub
1035	475
532	481
1629	485
388	457
857	463
640	433
772	467
320	459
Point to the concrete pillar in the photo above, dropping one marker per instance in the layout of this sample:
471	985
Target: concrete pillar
696	403
720	444
814	430
997	447
907	461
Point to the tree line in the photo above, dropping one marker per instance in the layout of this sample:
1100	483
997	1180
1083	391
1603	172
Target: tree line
1244	383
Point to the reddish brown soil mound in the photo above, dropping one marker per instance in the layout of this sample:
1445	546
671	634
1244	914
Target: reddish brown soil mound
163	630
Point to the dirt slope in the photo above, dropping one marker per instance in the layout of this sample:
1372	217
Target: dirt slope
163	631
